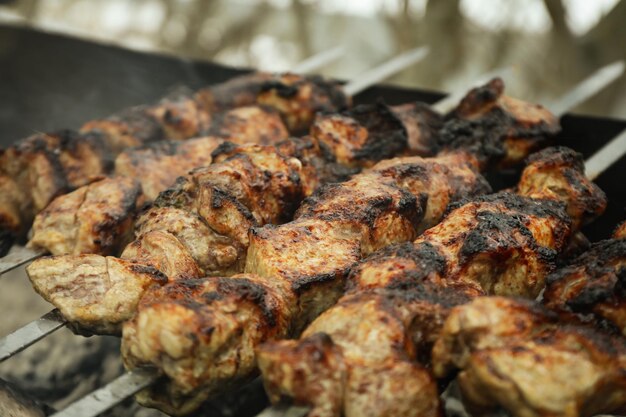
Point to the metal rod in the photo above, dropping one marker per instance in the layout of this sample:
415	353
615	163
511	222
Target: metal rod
386	70
588	88
111	394
606	156
318	61
30	333
17	256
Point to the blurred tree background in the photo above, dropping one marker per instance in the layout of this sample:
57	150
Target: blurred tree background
551	43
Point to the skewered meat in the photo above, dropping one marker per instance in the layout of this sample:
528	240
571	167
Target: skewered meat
297	98
47	165
96	218
591	287
308	256
496	128
105	287
515	355
502	244
365	229
157	165
224	314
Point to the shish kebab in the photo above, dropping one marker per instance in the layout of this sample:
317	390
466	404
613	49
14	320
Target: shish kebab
260	281
359	357
159	160
384	127
242	125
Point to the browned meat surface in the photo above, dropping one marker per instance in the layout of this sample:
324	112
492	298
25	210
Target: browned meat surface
157	166
310	257
592	286
341	223
199	333
181	115
365	133
422	125
497	128
297	98
250	124
512	354
100	287
132	127
502	243
96	218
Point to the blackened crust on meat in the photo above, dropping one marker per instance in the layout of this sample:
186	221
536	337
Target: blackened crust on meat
494	127
422	125
387	136
594	285
252	292
158	276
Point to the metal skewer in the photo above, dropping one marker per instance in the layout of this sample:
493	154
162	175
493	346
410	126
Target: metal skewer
280	410
317	61
18	256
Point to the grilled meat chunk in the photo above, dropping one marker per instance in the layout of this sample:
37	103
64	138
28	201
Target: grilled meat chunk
515	355
497	128
341	223
201	334
364	133
248	186
158	165
96	218
101	287
181	115
502	243
250	124
592	286
297	98
422	125
132	127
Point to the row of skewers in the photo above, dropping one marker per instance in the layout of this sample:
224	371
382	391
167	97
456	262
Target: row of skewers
277	272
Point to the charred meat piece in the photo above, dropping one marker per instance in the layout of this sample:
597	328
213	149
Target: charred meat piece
250	124
502	243
297	98
512	354
341	223
311	255
422	125
201	334
365	133
181	115
132	127
96	218
357	358
158	165
592	286
248	186
102	287
496	127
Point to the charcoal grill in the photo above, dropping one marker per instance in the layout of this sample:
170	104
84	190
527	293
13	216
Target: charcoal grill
55	81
